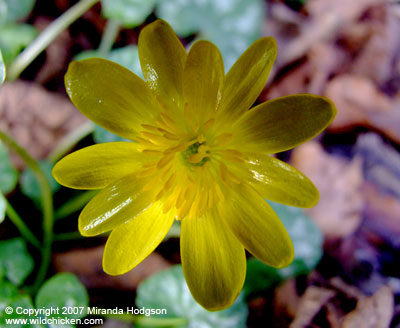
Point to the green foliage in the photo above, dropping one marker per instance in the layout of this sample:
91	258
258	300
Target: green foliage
101	135
130	13
307	241
8	177
11	10
8	173
2	69
127	56
15	262
14	37
9	296
231	25
30	186
63	290
167	289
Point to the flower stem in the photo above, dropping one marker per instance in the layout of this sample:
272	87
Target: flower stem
67	236
20	224
74	204
109	36
46	202
70	141
47	36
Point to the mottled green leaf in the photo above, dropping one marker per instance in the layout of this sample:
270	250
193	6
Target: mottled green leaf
101	135
307	241
15	262
8	173
231	24
9	297
13	38
168	290
127	56
130	13
63	290
13	10
30	186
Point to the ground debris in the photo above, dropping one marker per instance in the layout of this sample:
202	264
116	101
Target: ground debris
35	117
375	311
339	181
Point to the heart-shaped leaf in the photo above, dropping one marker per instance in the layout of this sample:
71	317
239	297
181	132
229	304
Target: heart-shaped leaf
168	290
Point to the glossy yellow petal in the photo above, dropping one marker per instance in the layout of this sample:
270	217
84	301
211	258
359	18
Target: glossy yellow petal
131	242
280	182
119	202
257	226
202	81
283	123
111	96
162	58
213	261
246	79
97	166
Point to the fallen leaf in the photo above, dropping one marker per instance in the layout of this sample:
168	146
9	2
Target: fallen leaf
360	102
36	118
339	181
310	304
372	312
87	265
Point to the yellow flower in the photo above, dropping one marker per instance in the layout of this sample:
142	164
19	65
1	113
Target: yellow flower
200	156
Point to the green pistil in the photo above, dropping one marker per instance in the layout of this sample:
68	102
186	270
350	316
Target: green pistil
191	150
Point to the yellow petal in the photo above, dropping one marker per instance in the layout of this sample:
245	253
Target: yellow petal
97	166
119	202
162	58
213	261
246	79
202	81
277	181
131	242
283	123
257	226
111	96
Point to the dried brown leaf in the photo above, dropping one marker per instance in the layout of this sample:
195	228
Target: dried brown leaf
372	312
339	182
87	265
35	117
359	102
310	304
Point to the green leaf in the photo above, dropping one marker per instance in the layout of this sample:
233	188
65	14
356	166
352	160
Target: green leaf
15	262
9	297
63	290
126	56
13	10
101	135
307	241
30	186
130	13
8	173
2	69
231	25
168	290
15	37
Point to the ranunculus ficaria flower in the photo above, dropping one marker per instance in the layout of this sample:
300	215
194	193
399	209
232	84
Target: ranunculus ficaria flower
200	155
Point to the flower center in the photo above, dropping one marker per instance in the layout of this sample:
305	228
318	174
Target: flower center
197	154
